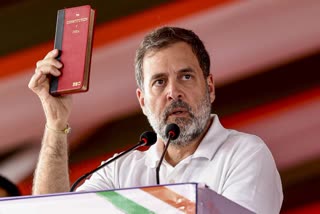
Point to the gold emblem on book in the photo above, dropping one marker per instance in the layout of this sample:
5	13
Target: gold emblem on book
77	20
74	84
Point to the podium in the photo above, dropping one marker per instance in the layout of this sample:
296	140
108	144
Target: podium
187	198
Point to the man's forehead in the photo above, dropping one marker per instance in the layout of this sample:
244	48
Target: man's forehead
175	59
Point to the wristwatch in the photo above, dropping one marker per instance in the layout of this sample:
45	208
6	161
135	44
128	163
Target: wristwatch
66	130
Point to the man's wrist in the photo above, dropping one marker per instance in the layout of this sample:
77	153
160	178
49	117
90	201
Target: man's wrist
66	130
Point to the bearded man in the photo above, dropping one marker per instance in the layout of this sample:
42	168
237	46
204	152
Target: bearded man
172	69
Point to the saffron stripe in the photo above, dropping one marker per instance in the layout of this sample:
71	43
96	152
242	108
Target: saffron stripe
170	197
123	203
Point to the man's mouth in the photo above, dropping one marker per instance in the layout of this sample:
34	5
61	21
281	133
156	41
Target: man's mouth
178	112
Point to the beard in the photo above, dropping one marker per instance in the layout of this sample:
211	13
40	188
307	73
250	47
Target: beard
190	127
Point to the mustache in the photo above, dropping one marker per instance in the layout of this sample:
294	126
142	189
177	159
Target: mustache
177	104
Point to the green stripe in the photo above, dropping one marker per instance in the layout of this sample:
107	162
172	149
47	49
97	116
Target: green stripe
123	203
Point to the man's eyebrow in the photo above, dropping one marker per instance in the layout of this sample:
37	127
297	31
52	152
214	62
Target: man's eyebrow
157	76
186	70
183	70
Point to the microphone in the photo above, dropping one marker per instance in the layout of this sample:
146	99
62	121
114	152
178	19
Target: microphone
172	133
146	139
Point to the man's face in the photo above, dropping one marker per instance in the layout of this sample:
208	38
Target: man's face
175	91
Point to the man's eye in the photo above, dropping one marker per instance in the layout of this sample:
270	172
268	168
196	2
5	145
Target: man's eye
187	76
158	82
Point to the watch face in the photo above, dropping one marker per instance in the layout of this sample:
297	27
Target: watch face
67	130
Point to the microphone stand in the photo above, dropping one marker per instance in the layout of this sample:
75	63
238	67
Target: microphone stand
172	132
75	184
161	159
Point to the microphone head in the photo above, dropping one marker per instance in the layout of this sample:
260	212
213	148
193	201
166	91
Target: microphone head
148	137
172	131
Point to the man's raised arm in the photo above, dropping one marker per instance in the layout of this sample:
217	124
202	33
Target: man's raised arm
51	174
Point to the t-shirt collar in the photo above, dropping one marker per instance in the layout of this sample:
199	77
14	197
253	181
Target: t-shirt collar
213	139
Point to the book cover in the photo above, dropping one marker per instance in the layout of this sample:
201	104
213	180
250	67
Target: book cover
73	38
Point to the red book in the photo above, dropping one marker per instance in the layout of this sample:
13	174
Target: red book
74	37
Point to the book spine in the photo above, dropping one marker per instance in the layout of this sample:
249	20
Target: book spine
58	45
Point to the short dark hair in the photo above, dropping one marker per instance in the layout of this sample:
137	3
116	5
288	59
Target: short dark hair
165	36
9	187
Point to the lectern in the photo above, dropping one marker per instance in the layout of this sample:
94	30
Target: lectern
187	198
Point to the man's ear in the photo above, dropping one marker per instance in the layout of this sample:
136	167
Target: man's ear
140	96
211	88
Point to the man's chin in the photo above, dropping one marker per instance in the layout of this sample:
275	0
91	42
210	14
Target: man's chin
180	121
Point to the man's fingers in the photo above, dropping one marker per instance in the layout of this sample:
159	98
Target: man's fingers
47	69
49	65
52	54
40	75
37	78
49	61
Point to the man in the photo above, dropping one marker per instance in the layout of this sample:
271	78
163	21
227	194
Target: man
175	85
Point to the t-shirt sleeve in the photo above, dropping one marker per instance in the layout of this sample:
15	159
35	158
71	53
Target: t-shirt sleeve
253	179
100	180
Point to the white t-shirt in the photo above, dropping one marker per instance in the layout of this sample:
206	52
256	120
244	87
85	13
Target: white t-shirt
236	165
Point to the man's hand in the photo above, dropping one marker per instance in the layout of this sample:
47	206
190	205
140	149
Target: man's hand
57	109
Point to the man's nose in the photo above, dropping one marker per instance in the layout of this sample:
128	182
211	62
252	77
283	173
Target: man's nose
174	91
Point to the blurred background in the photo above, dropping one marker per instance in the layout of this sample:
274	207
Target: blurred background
265	63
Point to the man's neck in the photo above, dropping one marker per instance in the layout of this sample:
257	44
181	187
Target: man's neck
177	153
